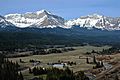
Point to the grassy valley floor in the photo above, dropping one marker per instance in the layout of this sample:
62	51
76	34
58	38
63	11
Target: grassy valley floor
78	56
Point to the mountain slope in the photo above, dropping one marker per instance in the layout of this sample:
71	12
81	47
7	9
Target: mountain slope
4	23
6	26
45	19
39	19
95	21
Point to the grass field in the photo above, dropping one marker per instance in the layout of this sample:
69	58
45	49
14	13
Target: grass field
66	56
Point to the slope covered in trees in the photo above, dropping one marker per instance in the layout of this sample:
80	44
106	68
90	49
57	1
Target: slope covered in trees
22	38
9	70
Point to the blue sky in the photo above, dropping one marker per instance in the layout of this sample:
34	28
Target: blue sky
66	8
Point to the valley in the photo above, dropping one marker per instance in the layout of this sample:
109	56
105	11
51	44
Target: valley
78	56
41	45
59	39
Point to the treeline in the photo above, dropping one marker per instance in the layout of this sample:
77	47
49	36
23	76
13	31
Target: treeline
110	50
17	55
105	51
39	52
52	50
58	74
9	41
9	69
73	37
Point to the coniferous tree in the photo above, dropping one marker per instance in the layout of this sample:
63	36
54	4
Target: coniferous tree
94	60
102	65
30	71
87	60
21	76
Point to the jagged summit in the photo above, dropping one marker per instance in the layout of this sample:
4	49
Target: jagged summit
45	19
38	19
43	11
96	21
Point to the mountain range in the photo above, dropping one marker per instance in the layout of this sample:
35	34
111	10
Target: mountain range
45	19
44	28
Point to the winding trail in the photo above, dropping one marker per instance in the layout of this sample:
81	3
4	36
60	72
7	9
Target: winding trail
94	77
107	71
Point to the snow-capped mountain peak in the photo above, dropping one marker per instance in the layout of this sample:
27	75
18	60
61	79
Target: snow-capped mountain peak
95	15
43	11
35	19
95	21
45	19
